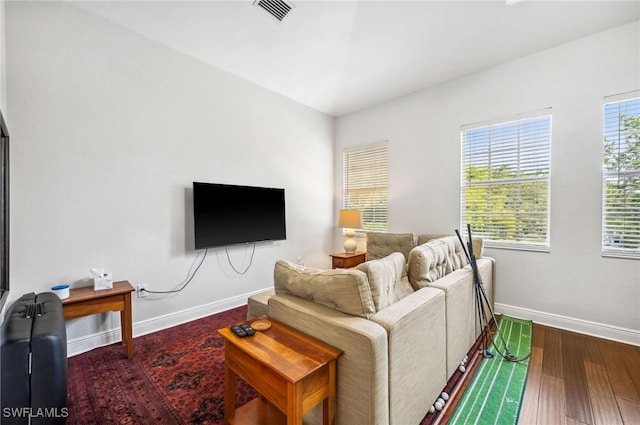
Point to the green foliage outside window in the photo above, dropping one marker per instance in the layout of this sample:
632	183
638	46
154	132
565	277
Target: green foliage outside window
621	222
505	182
511	210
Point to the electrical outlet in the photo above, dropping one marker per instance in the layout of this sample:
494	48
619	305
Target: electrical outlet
141	290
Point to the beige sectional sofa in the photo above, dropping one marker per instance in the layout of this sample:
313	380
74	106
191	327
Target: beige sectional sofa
405	319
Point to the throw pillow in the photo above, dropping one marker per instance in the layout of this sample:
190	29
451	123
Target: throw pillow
345	290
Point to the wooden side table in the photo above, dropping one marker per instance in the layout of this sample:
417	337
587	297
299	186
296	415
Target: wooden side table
85	301
342	260
291	371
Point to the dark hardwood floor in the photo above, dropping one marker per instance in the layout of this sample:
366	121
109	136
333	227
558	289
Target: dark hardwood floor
576	379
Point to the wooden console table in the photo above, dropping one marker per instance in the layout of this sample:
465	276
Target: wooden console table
291	371
343	260
85	301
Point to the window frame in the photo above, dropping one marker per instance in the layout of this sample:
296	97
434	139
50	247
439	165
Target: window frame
4	212
370	155
466	159
605	249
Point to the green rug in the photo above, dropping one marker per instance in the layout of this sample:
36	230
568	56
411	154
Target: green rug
495	392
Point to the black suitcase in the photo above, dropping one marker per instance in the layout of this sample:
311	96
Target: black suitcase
34	362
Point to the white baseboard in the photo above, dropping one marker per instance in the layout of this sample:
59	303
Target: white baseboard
87	343
616	333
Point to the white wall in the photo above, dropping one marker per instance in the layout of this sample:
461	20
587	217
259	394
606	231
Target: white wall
108	132
572	286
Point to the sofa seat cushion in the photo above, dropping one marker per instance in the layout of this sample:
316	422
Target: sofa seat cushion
344	290
258	304
428	263
385	279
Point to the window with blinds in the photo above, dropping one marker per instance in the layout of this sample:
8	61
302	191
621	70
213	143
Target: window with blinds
621	177
365	184
505	182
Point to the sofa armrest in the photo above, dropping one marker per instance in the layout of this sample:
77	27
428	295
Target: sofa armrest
488	277
487	270
462	315
362	390
417	353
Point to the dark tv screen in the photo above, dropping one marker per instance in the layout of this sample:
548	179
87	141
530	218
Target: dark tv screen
228	214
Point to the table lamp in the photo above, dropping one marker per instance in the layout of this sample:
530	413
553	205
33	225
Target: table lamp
350	220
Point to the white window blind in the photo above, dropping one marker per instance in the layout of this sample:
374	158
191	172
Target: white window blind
505	182
365	184
621	177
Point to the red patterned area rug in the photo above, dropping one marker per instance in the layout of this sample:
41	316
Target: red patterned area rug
175	377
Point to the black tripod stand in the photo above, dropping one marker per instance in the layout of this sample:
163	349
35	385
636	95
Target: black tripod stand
482	305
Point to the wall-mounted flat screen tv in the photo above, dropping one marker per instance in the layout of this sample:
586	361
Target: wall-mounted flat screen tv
229	214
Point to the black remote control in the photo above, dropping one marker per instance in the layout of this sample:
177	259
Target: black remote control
240	333
248	329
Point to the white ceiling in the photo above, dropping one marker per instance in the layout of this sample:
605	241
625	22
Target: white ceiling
341	56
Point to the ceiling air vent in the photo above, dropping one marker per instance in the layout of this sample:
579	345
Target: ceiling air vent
279	9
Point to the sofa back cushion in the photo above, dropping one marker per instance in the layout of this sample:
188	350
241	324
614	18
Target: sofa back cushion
478	243
428	262
379	245
345	290
457	258
385	279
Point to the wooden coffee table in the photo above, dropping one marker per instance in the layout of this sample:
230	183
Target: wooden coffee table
292	372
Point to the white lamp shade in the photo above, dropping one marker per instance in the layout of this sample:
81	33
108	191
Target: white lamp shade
350	219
